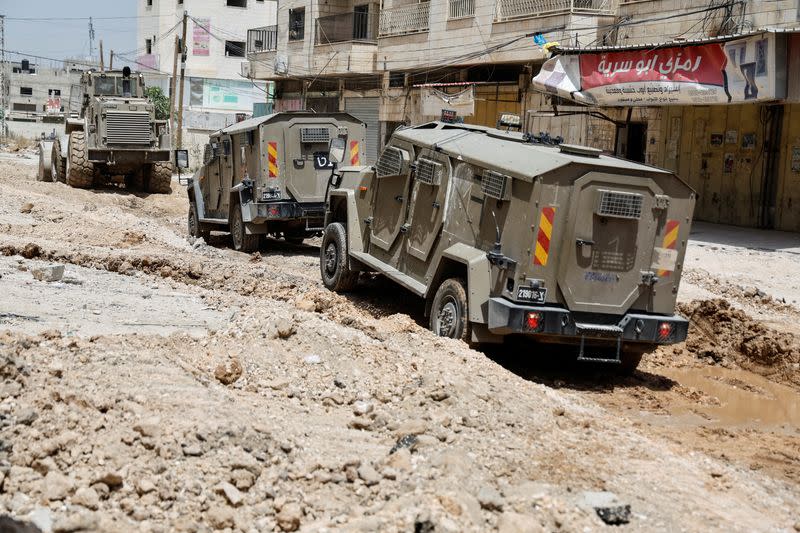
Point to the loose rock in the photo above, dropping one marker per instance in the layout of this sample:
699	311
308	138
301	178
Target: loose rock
48	273
228	372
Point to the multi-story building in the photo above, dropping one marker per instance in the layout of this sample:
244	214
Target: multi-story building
37	93
215	93
404	61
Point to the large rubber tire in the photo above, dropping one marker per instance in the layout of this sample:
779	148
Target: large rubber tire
242	242
193	224
160	178
630	359
45	164
80	171
334	261
449	312
58	167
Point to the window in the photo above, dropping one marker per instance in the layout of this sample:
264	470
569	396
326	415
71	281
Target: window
180	2
397	79
54	92
237	3
148	46
234	48
26	91
105	86
149	3
297	24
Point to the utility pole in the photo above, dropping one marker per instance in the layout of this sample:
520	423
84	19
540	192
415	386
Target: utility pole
183	74
172	98
3	100
111	60
102	66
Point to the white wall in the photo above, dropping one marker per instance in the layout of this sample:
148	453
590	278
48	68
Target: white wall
226	23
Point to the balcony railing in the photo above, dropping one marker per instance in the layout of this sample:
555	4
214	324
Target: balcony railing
262	39
459	9
405	19
346	27
512	9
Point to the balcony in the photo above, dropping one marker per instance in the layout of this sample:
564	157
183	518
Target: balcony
262	40
516	9
460	9
347	27
404	20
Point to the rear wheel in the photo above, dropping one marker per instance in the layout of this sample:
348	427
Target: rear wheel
630	358
160	178
80	171
449	316
58	165
334	263
242	242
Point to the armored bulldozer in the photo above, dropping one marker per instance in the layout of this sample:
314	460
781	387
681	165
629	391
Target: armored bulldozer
111	132
500	234
267	176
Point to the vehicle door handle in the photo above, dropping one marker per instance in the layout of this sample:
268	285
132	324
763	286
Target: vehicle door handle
436	205
584	242
399	198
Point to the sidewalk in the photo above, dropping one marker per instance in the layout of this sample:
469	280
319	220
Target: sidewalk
766	260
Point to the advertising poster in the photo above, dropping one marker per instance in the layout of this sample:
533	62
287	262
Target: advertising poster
715	73
201	38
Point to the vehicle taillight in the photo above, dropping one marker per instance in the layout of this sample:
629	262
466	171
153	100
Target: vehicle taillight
533	319
664	330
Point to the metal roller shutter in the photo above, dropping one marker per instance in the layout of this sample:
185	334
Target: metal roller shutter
366	109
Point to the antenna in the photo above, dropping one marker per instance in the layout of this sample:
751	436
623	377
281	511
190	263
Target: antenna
3	131
91	38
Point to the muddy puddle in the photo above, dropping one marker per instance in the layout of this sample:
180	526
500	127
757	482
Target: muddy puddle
720	397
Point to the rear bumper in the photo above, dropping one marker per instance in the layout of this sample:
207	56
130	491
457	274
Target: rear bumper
506	317
261	212
120	156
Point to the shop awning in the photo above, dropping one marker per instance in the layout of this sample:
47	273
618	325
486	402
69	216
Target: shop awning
728	70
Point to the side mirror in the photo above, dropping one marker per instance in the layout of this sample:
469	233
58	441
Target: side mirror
182	158
336	150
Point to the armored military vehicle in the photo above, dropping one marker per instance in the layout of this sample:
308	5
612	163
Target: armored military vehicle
267	175
500	234
115	134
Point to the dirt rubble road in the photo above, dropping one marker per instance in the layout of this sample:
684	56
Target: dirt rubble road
169	385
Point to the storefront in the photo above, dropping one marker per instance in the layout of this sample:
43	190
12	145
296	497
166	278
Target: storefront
719	112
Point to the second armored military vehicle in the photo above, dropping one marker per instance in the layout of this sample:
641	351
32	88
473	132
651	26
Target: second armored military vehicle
499	234
267	176
115	133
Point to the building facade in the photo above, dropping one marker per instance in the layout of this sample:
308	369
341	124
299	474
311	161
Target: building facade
404	61
37	93
215	92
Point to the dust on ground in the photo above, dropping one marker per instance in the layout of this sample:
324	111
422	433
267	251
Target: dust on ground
273	404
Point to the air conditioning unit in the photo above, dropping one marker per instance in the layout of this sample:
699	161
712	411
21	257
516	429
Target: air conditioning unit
281	64
246	69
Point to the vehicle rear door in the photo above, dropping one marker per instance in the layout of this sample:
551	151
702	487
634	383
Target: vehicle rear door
307	168
608	240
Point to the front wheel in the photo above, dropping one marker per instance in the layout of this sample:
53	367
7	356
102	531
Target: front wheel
194	224
334	264
449	316
160	178
80	171
242	242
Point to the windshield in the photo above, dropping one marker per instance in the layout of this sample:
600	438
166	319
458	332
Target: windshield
105	86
